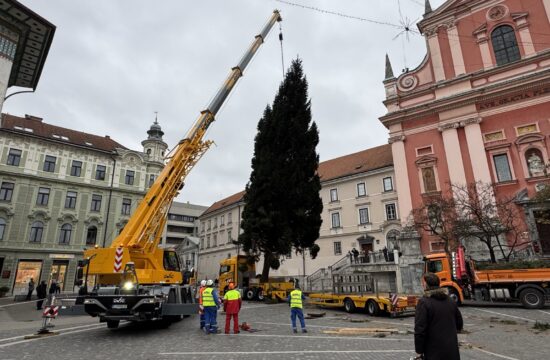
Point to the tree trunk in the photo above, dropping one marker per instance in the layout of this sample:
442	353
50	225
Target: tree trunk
267	267
489	244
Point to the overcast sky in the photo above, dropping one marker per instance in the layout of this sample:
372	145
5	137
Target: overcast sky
113	63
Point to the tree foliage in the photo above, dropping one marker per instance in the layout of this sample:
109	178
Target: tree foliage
282	205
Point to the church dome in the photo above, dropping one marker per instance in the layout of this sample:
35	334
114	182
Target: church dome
155	132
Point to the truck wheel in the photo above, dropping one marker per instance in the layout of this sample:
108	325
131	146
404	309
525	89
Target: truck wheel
453	295
372	308
349	306
250	294
532	298
112	324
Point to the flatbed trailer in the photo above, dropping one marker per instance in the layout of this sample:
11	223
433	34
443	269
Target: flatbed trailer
374	304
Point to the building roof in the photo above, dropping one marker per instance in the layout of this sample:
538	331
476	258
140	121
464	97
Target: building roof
33	35
34	126
233	199
356	163
363	161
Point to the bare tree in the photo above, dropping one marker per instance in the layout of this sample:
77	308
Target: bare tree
437	217
495	221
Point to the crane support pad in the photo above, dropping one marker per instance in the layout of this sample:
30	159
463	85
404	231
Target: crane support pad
180	309
72	310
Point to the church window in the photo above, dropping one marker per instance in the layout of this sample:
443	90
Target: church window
502	167
505	45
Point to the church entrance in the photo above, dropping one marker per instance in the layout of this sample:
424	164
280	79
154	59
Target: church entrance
542	219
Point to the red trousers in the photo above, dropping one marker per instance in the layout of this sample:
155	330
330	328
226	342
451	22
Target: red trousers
228	323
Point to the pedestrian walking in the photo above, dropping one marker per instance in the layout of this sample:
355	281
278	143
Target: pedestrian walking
210	305
436	323
53	288
30	289
232	303
41	293
201	309
355	255
295	299
350	257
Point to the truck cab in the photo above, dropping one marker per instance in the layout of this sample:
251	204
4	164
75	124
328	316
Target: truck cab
440	265
237	269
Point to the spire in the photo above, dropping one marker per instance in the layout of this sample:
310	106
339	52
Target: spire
389	70
427	7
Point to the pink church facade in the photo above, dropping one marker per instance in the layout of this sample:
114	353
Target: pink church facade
476	109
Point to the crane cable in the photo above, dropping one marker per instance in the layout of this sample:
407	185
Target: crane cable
282	53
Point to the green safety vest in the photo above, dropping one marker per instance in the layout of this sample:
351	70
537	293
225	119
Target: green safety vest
208	298
232	295
296	299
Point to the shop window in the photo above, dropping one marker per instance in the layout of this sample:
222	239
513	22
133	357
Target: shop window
2	228
428	178
6	191
65	234
26	270
91	235
502	167
37	228
505	45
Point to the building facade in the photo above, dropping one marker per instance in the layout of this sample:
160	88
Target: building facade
62	191
476	108
360	210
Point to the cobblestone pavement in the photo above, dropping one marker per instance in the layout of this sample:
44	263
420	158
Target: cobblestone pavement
491	333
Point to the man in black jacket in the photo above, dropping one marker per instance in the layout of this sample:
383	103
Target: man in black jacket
436	323
41	294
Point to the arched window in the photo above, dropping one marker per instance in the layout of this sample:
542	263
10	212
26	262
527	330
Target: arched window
2	228
391	239
91	236
65	234
505	45
37	228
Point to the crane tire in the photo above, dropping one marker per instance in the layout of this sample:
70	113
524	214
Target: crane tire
349	306
532	298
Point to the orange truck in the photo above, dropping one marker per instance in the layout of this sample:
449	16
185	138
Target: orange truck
465	283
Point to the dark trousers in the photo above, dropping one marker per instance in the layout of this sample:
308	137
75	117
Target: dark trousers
39	304
202	319
210	319
235	323
299	313
29	295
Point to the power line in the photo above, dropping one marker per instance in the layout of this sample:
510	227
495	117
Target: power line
340	14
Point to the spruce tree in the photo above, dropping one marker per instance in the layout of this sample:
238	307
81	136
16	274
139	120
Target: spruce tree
282	206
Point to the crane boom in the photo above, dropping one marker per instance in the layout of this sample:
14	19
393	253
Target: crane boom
146	225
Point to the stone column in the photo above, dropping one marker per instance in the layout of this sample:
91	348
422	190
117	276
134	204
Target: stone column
476	149
453	154
435	55
401	176
456	50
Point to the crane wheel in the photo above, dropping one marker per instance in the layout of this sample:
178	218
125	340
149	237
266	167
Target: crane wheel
372	308
349	305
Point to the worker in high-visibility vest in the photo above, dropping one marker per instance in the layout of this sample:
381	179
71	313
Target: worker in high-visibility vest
295	300
201	309
232	303
210	305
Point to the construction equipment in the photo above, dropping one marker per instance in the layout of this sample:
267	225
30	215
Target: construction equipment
466	283
241	270
150	286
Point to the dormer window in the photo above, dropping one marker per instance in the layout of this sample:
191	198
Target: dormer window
505	45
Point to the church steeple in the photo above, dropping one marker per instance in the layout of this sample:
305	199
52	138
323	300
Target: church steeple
389	70
154	146
427	7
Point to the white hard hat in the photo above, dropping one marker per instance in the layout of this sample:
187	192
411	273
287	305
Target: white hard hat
209	283
203	282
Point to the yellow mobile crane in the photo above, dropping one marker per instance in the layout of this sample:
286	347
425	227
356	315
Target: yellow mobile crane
136	280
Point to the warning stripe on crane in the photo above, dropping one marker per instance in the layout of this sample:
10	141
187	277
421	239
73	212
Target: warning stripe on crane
118	259
50	311
394	299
